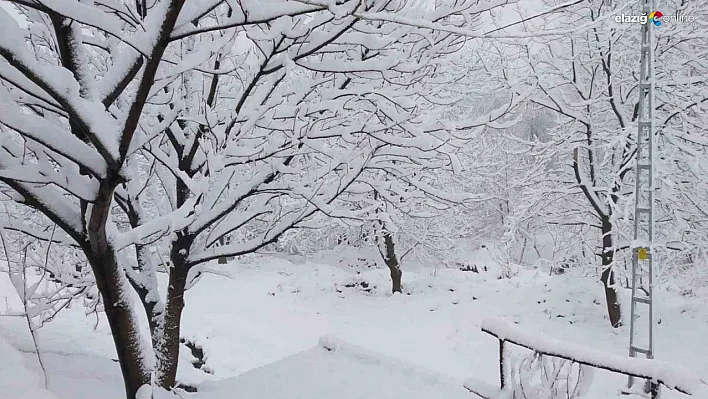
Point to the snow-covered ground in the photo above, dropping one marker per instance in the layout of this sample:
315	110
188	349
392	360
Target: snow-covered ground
271	308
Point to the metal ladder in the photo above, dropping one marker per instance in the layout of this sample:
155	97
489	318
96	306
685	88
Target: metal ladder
642	258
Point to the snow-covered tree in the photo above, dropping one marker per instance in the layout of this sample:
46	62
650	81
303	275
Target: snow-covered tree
182	125
588	79
681	122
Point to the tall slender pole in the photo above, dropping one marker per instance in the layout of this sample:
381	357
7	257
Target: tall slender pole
642	246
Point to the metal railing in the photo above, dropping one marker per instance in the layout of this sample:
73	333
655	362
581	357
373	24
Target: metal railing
656	373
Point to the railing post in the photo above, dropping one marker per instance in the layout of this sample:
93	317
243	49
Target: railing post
654	388
502	367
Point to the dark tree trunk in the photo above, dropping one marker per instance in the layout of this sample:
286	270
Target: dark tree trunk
167	340
391	261
608	277
115	288
389	254
154	309
146	286
167	349
608	280
123	322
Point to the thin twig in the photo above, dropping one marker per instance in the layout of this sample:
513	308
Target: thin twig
25	301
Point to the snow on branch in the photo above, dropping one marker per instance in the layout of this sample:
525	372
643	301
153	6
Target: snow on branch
52	202
85	14
218	211
254	244
59	83
249	13
416	21
36	233
17	79
162	226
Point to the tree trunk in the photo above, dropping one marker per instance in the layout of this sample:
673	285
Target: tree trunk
114	287
167	341
392	262
147	291
123	321
608	276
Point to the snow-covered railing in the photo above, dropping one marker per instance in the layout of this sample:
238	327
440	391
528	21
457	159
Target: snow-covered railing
658	373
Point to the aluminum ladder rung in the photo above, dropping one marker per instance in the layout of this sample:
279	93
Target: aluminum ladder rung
640	350
642	300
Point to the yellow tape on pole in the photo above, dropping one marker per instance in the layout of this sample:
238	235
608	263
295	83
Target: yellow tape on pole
642	254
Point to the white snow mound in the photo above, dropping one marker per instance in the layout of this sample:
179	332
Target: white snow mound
336	370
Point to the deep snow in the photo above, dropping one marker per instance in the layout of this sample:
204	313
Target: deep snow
271	308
